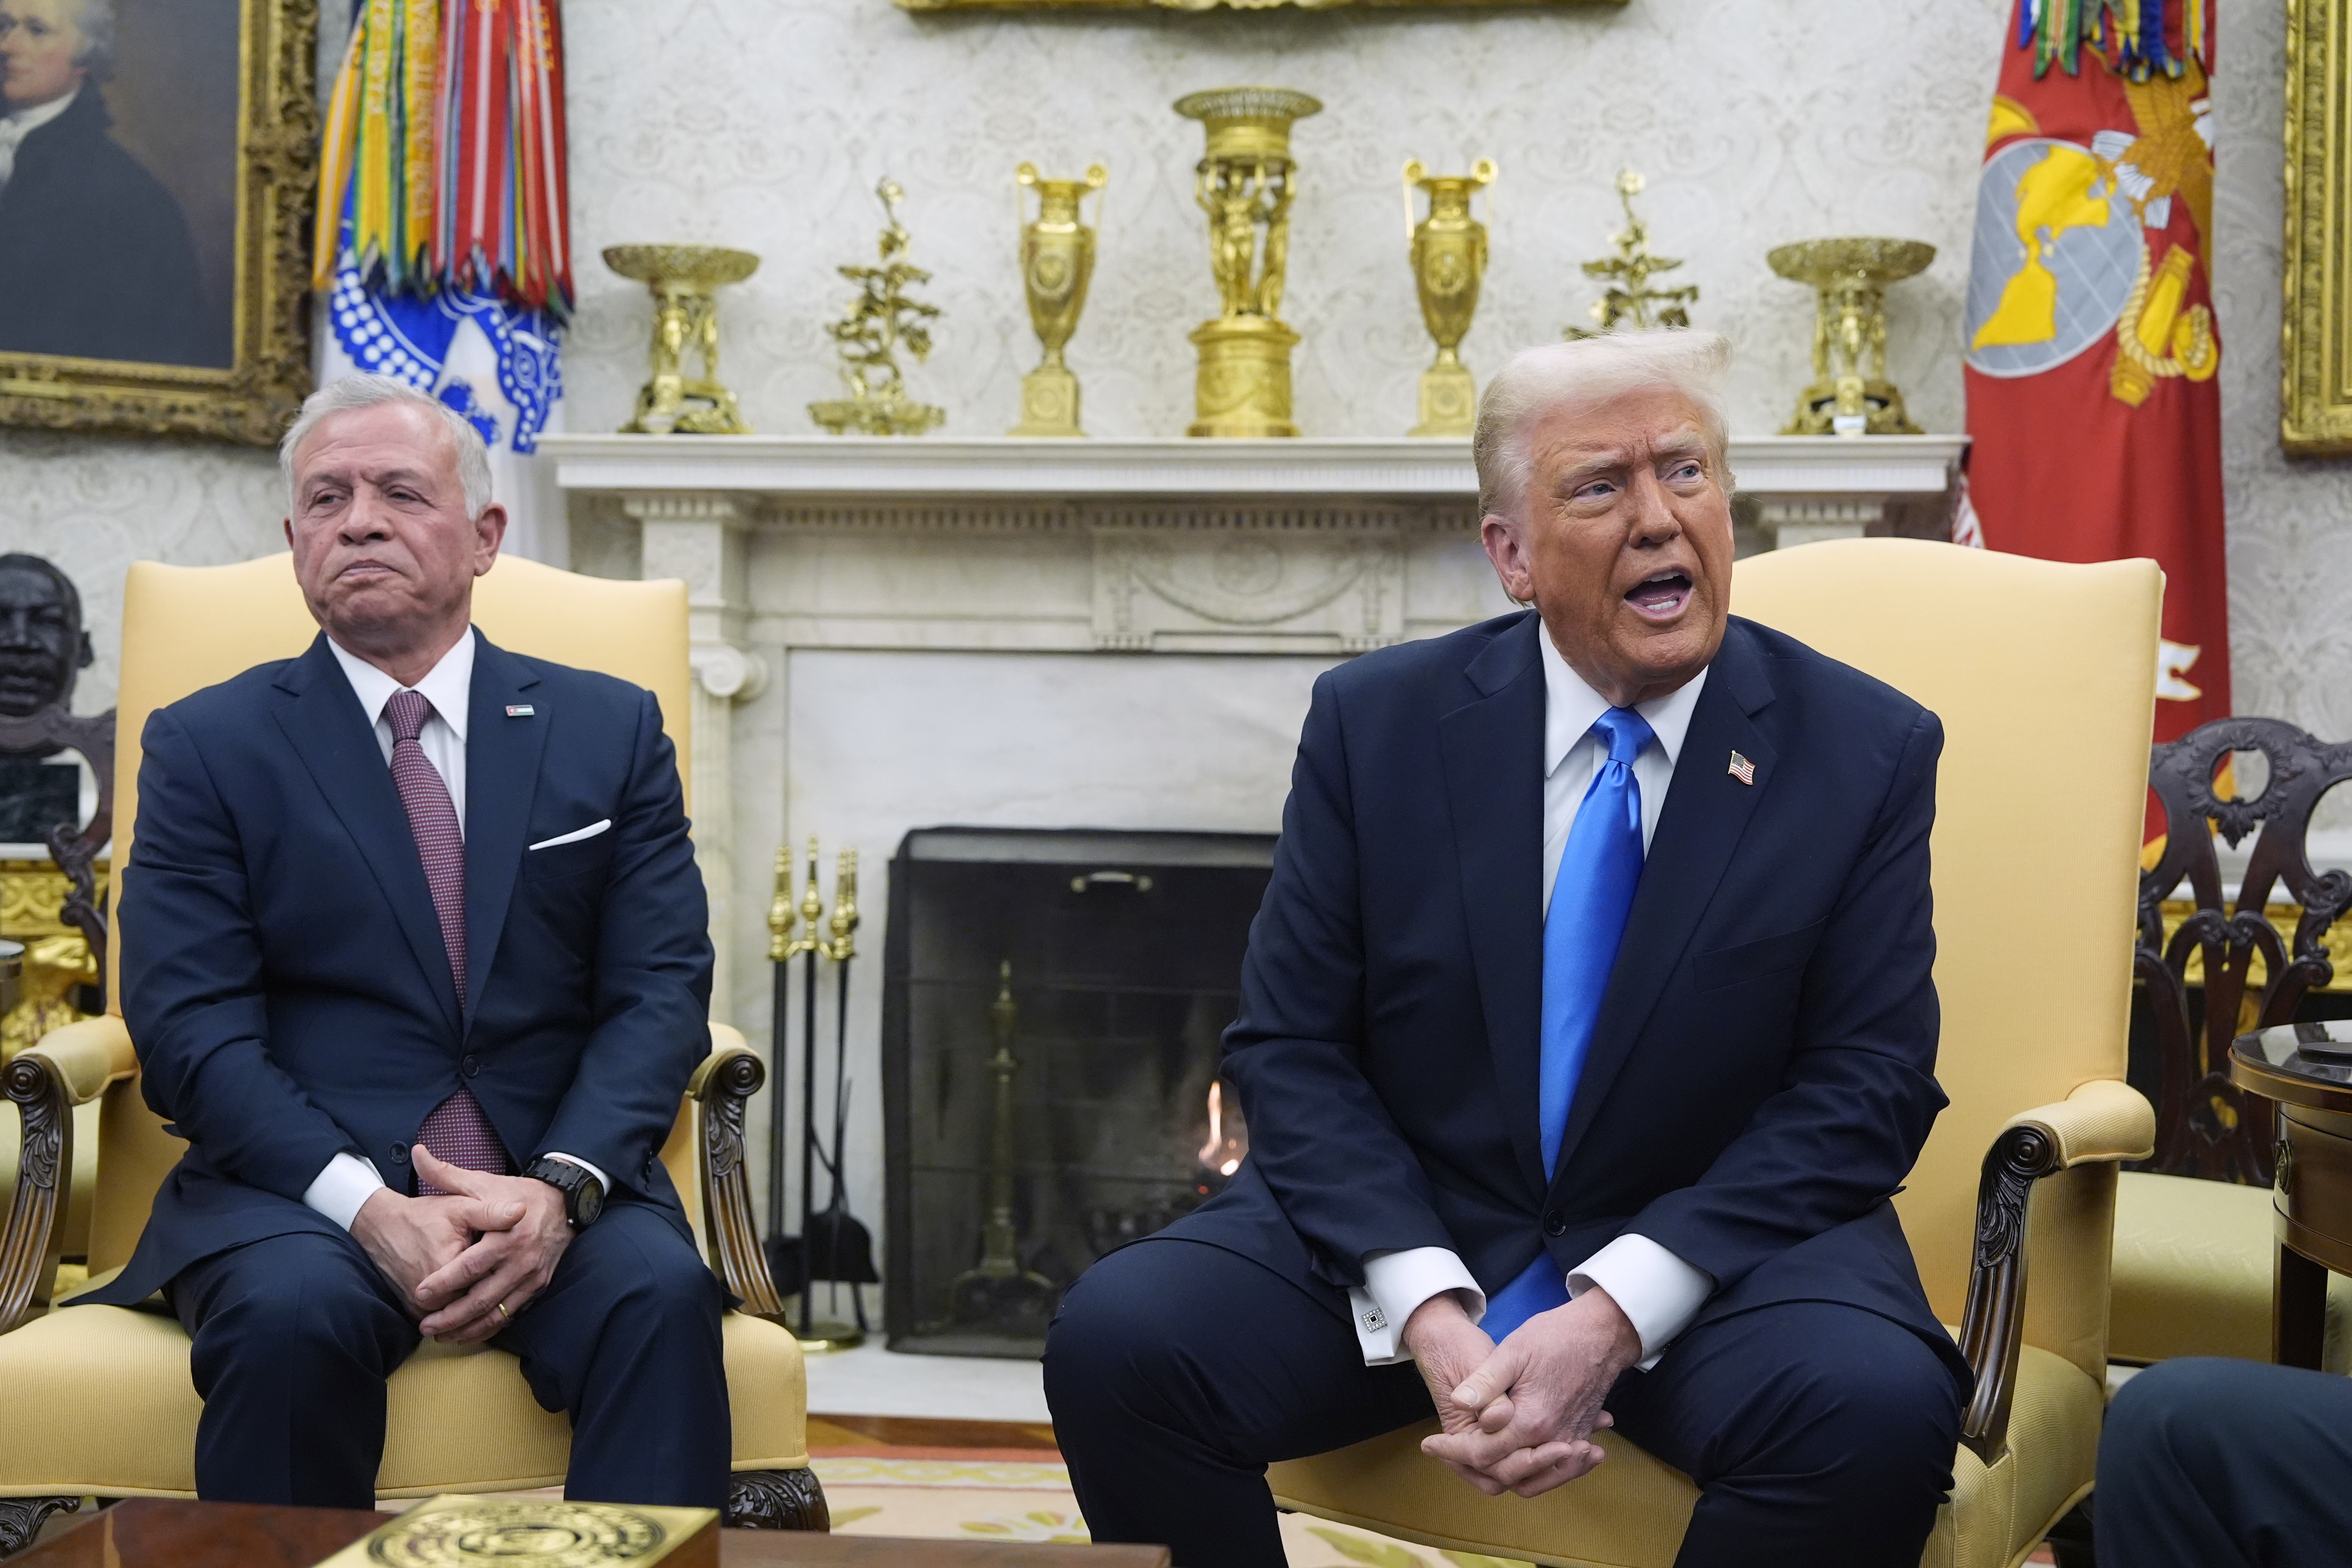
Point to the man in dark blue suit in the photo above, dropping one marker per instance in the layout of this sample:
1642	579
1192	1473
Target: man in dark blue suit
416	958
1586	1030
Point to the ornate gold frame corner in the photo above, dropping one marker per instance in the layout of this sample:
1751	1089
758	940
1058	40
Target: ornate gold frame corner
2315	358
278	139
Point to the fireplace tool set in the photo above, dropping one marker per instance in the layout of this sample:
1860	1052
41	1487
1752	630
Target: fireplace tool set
998	1293
832	1246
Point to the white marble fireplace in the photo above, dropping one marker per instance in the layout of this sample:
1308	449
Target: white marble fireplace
891	634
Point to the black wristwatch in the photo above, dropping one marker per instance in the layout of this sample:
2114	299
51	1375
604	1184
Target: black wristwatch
584	1195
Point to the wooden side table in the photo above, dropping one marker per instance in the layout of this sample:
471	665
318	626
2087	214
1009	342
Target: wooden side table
2307	1069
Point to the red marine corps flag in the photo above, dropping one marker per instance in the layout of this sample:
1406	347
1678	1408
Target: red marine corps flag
2090	337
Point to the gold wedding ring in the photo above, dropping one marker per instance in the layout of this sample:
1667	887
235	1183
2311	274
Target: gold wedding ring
504	1313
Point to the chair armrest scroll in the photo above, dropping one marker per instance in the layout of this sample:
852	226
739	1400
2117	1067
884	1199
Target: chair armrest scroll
721	1087
2103	1119
69	1067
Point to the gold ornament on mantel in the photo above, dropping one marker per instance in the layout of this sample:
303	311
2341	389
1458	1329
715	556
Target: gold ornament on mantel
1245	184
1449	256
1630	301
1850	394
880	321
1057	258
683	279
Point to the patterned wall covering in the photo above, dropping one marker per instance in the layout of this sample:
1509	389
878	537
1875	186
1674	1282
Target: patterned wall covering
764	124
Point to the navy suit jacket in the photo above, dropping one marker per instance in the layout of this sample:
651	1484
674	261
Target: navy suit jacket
1762	1075
283	973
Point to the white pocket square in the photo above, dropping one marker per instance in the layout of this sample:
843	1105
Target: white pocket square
575	836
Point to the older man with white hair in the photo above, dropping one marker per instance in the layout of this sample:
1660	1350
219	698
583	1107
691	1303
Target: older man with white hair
417	960
1586	1030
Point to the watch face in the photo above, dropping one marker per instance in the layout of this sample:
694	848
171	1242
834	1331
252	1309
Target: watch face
588	1199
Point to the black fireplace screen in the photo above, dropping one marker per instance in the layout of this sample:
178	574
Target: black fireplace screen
1051	1010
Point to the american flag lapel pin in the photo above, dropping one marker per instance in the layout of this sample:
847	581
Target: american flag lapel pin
524	710
1741	769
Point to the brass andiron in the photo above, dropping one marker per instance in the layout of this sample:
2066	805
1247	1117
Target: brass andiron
880	321
686	321
1057	258
1850	394
1449	257
1629	301
831	1246
1245	184
998	1291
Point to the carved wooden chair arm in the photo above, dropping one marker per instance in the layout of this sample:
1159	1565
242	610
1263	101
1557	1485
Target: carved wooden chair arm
2101	1121
70	1066
725	1082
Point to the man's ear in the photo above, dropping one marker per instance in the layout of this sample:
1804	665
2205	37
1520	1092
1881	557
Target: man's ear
1506	550
89	654
490	532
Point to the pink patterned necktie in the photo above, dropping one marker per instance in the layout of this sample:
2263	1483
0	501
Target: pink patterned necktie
457	1132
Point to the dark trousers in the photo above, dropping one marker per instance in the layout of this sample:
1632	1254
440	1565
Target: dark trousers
295	1336
2208	1463
1818	1434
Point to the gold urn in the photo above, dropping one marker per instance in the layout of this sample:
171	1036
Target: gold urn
1057	260
1449	257
683	279
1245	184
1850	394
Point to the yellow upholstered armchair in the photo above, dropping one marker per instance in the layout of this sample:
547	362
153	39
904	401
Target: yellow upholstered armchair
99	1399
2043	675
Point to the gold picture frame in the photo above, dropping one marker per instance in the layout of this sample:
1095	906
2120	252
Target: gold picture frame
254	252
2316	346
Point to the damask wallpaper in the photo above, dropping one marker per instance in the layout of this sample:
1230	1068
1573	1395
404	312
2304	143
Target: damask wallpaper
765	125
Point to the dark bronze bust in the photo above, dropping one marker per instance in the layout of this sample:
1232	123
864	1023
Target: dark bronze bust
43	651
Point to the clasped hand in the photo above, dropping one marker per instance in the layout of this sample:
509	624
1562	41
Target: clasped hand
465	1264
1520	1416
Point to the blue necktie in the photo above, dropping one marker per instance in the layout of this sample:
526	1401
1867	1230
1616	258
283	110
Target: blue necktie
1589	900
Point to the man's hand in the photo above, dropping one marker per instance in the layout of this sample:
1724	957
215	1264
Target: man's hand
477	1293
1448	1347
1538	1398
411	1239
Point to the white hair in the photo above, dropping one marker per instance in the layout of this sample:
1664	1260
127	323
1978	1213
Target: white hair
1580	374
94	20
374	391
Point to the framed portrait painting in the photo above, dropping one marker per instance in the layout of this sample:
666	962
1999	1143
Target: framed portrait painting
157	162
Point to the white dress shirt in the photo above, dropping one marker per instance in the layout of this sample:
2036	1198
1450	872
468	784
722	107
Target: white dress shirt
1658	1292
348	1180
15	128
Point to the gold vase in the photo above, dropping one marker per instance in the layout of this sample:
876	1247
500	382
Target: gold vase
684	278
1245	184
1057	258
1449	256
1850	394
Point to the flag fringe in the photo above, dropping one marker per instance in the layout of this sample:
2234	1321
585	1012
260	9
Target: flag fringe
2135	38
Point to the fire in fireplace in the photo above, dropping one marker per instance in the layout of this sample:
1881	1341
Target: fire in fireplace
1052	1005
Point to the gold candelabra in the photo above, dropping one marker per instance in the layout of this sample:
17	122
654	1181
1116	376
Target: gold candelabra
881	321
1850	394
1449	256
683	279
1057	260
1245	184
1629	301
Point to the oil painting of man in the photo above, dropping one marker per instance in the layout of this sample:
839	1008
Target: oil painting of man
97	260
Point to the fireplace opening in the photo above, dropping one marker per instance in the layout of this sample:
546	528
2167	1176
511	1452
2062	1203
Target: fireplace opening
1052	1005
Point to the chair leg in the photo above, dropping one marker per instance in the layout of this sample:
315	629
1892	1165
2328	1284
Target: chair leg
21	1518
2071	1539
776	1499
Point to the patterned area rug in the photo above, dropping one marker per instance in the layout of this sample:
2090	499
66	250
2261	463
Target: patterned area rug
1007	1495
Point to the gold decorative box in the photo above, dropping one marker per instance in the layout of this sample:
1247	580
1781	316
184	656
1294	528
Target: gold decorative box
454	1532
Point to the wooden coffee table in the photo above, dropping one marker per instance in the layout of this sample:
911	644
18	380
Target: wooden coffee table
150	1533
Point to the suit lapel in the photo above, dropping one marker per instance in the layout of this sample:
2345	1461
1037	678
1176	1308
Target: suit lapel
1707	811
325	725
1493	756
502	754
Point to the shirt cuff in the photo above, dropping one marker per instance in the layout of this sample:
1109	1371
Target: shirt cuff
337	1190
1395	1285
603	1180
1658	1292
